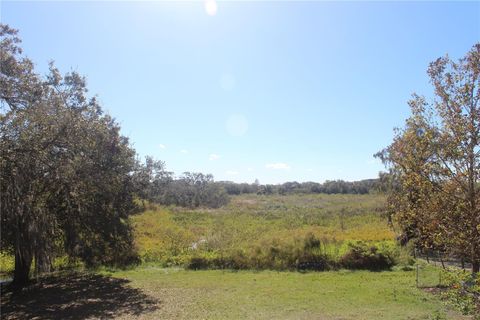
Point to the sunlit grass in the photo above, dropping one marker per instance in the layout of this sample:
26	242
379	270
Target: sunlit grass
216	294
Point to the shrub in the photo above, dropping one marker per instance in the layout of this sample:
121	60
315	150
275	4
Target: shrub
314	262
362	256
301	254
463	291
198	263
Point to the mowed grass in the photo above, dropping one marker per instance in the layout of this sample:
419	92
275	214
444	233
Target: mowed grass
216	294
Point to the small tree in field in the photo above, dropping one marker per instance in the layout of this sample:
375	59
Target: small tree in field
435	161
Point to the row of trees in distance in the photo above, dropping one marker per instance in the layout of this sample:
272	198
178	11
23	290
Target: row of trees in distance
328	187
158	185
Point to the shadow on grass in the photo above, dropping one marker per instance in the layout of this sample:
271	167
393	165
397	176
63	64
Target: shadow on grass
75	296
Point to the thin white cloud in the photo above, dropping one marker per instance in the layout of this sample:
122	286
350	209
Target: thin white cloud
250	169
231	172
277	166
184	151
310	170
213	156
162	146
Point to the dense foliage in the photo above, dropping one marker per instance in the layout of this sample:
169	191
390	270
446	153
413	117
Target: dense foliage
463	291
360	255
192	190
434	163
65	170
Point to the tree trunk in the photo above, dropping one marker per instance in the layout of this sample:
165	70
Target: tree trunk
23	255
43	263
475	266
23	262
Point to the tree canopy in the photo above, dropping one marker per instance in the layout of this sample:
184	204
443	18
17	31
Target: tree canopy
435	162
65	169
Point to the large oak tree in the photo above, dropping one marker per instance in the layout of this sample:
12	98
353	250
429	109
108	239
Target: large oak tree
65	169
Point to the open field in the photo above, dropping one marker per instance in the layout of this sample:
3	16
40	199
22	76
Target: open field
155	293
251	224
171	236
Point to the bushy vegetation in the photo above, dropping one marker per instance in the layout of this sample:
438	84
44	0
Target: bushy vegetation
434	163
155	184
193	190
463	291
363	256
65	169
299	255
294	232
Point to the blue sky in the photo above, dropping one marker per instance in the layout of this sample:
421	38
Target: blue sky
278	91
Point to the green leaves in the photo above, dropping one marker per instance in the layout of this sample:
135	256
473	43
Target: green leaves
65	170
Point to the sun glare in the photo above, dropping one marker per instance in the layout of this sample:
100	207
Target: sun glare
211	7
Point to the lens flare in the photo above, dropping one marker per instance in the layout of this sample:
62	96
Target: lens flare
211	7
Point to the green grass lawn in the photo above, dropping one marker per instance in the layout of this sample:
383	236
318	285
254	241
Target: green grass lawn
168	293
216	294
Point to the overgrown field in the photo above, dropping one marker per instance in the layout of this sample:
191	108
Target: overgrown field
279	232
307	231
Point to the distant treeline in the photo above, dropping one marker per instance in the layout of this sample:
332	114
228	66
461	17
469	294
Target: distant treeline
328	187
193	190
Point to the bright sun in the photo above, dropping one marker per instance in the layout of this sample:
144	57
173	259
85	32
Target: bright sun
211	7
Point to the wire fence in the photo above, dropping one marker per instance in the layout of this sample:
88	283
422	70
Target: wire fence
428	276
431	265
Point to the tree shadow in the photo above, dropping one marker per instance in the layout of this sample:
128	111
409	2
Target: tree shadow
76	296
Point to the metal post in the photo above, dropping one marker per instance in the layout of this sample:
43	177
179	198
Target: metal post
416	276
